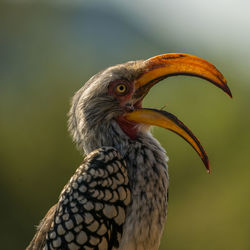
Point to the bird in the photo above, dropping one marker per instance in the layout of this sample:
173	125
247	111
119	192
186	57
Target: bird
118	197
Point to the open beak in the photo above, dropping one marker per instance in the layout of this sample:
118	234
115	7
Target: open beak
160	67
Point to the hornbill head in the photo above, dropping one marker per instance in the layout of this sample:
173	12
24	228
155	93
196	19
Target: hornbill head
116	95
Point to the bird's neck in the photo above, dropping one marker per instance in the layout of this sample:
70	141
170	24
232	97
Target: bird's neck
144	154
117	134
148	179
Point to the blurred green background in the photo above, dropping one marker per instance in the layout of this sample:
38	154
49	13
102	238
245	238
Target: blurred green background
49	49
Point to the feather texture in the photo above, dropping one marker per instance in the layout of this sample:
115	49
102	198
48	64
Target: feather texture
92	207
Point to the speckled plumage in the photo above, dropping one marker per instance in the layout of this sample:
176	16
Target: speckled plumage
145	165
91	208
142	164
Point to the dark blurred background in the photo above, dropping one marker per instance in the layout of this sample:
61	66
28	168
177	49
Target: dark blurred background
49	49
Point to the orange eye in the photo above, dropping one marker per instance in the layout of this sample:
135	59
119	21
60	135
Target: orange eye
121	89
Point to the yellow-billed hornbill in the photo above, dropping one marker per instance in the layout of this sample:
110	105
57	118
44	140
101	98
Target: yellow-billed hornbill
117	199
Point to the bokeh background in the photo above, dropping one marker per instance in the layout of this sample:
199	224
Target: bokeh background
48	49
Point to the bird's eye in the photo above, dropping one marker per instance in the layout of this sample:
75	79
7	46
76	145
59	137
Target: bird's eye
121	89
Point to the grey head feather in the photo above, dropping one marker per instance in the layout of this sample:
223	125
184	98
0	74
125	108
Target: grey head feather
92	109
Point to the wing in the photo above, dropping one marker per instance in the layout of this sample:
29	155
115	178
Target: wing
92	207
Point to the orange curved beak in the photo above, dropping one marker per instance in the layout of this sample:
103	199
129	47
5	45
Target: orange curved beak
160	67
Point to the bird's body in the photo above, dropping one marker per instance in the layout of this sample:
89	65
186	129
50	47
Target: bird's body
144	163
117	199
148	178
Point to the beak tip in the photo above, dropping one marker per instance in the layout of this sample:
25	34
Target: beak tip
228	91
206	163
209	170
226	88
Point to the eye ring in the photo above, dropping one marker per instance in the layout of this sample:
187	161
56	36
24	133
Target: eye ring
121	89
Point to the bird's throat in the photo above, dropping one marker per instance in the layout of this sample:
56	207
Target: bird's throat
128	127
